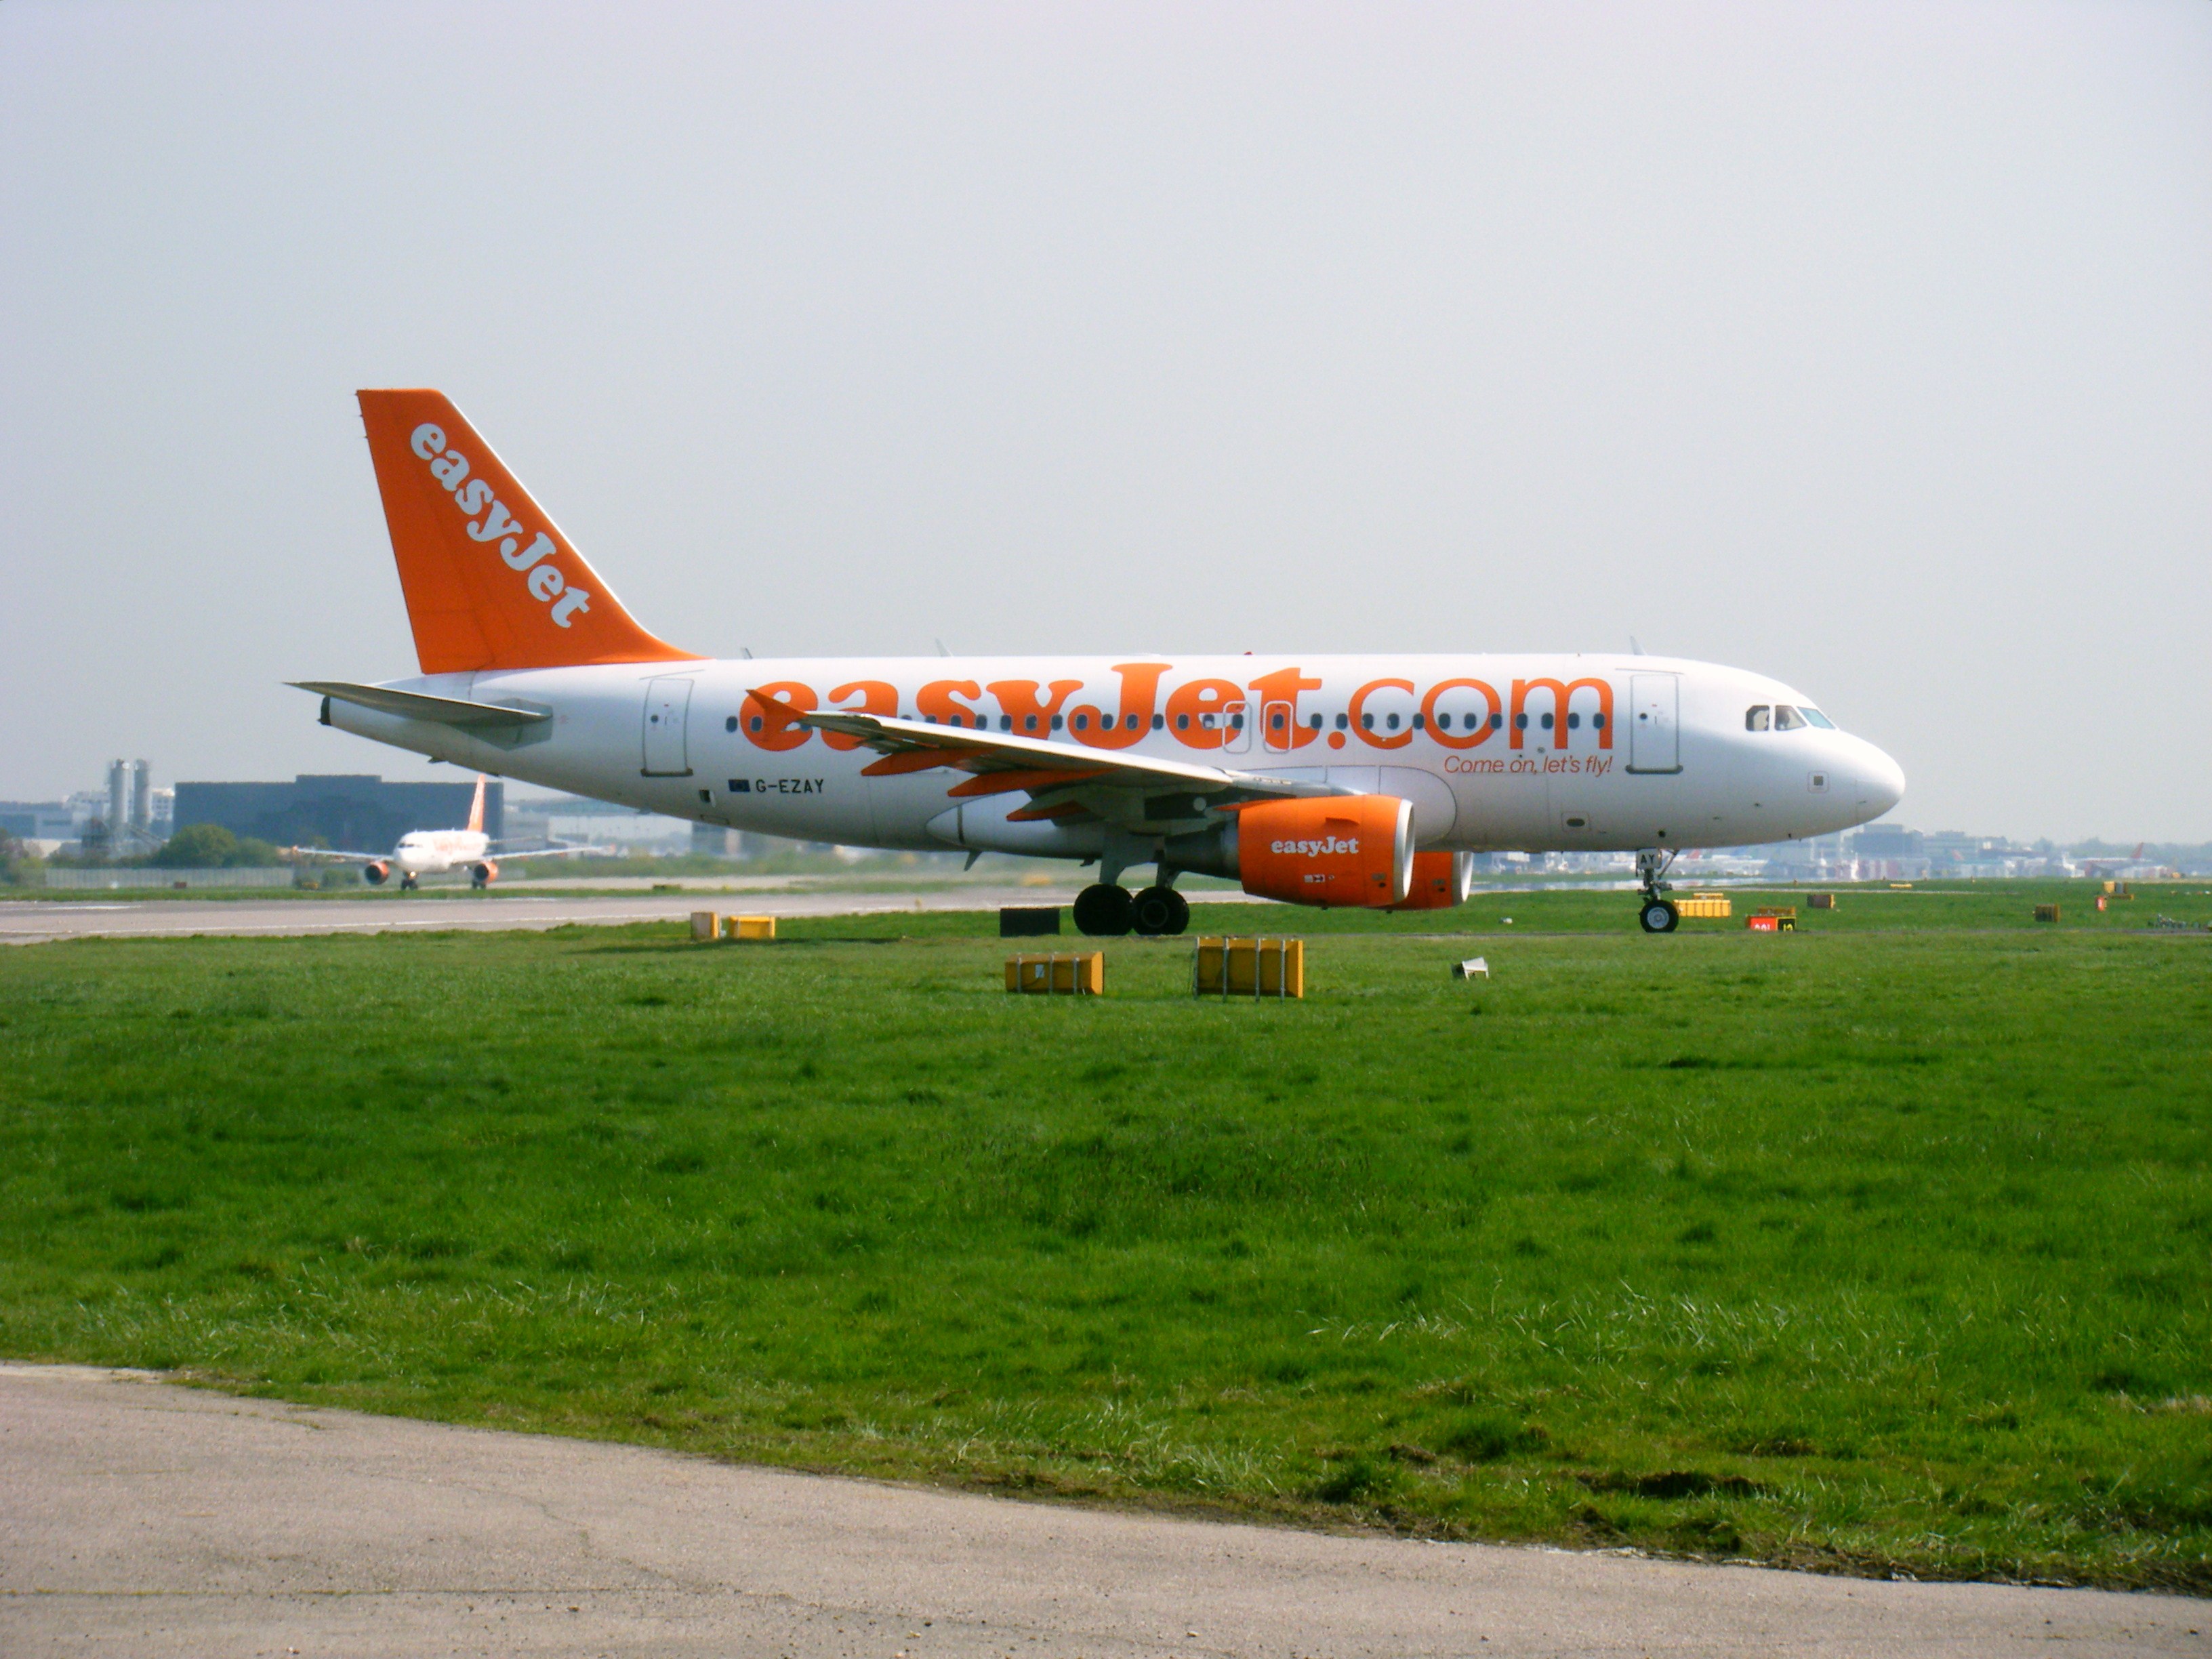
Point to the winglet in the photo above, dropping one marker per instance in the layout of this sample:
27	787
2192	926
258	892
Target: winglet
490	581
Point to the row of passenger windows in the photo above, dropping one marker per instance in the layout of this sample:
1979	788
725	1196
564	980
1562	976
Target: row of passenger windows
1781	717
1236	723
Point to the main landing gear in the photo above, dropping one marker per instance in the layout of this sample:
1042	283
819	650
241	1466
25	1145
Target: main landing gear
1105	911
1658	913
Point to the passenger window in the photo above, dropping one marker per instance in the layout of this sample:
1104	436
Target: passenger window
1390	720
1574	722
1498	722
731	723
1754	718
1547	722
1417	722
1316	722
1598	720
1787	719
1279	721
1443	722
1056	722
1814	717
1083	722
1183	722
1236	722
1367	722
1520	722
1160	722
1343	720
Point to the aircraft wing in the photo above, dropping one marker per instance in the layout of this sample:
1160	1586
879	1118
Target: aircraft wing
1065	782
547	852
331	853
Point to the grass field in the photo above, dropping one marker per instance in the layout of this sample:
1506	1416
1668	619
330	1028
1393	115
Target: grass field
1886	1246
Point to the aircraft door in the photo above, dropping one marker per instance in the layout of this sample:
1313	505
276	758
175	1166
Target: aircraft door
1275	728
1652	733
667	711
1238	738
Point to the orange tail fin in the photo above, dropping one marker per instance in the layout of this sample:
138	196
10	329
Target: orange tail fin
491	582
476	807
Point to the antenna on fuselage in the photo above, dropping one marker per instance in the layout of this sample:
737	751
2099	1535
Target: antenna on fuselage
1634	649
941	651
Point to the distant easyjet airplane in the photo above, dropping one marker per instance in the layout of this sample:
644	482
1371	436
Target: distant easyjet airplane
1322	780
433	852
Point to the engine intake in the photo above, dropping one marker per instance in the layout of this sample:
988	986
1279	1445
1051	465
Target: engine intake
483	873
377	872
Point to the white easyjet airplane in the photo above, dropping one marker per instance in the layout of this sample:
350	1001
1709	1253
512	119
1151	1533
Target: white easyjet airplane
433	852
1322	780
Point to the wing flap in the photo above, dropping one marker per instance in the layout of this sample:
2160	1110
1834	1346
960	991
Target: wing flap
999	763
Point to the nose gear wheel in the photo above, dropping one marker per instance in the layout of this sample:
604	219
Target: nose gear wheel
1657	913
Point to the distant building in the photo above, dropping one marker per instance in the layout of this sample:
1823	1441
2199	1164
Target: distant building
354	812
1887	841
38	820
127	818
1885	852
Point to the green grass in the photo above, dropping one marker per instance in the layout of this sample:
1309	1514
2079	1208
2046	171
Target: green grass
1886	1246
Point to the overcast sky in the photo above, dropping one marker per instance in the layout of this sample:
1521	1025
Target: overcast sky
1867	345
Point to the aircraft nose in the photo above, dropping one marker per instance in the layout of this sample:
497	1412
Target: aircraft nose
1882	780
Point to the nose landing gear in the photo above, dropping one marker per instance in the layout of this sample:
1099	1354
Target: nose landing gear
1657	913
408	883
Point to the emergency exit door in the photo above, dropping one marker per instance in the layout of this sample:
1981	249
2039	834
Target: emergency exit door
1653	744
667	711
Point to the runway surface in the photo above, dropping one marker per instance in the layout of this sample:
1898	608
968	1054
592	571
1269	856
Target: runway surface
36	921
137	1517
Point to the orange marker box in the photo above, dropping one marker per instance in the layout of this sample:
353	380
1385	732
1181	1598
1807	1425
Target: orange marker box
1057	973
1250	968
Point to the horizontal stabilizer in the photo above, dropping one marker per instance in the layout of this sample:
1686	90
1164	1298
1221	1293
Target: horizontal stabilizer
415	706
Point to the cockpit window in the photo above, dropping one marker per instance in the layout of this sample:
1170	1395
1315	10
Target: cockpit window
1814	717
1754	718
1787	719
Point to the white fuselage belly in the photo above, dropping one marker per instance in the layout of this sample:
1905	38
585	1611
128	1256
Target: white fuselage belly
433	852
1673	767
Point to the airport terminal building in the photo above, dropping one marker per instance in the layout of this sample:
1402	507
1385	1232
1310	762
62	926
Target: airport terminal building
351	812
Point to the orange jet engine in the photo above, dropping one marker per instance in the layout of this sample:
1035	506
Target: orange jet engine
482	873
1440	881
1331	850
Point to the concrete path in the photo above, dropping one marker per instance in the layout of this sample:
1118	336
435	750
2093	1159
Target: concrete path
35	922
140	1518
